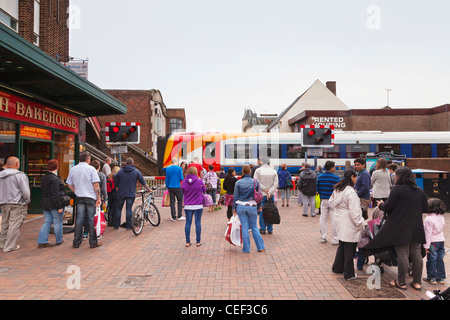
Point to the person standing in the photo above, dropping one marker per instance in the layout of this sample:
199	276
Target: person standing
349	223
174	175
307	186
380	182
283	177
114	213
268	180
193	189
363	183
245	207
106	169
325	186
228	185
403	229
127	179
83	180
198	166
210	179
52	191
14	198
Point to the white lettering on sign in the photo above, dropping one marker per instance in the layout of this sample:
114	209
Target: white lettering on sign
338	122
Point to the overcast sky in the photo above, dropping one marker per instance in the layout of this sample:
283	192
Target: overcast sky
216	58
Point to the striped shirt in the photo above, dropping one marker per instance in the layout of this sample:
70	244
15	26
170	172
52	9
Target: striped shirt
325	183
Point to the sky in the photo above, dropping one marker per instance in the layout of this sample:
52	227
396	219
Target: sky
217	58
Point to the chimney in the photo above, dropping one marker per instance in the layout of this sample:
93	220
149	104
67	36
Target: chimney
331	85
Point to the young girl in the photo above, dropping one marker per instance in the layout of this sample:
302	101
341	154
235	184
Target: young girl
434	232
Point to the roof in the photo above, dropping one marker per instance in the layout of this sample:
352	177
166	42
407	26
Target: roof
26	69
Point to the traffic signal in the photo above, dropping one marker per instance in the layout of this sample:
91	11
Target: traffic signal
122	132
317	136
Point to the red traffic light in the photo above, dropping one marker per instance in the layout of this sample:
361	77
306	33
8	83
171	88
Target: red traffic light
311	132
133	129
116	129
327	132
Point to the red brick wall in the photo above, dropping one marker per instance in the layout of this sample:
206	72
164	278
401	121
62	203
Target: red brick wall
442	164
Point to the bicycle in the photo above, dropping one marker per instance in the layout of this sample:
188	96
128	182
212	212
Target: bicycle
146	211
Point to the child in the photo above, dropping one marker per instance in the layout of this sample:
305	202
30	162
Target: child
434	232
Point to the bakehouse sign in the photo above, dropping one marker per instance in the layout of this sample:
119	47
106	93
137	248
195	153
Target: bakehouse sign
338	122
16	108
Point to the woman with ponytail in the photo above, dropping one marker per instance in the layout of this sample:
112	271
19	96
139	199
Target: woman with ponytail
349	223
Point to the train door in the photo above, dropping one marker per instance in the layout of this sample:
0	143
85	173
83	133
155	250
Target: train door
211	152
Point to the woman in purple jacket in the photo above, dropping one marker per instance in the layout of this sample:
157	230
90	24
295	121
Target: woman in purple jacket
193	189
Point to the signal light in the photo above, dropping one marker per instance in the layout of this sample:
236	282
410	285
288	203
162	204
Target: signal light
116	129
311	132
317	136
122	132
133	129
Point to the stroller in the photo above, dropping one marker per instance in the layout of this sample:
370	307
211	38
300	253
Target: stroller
438	295
387	257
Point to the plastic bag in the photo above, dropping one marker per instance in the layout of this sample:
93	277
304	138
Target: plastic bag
233	233
99	222
317	204
207	200
166	199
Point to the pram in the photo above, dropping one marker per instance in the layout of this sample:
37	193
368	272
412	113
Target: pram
387	256
438	295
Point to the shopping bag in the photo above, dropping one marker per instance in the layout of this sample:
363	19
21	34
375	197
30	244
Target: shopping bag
99	222
233	233
166	199
207	200
317	201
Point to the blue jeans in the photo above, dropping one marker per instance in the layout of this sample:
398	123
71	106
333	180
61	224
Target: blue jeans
248	216
55	218
213	194
85	211
262	225
129	209
435	261
198	224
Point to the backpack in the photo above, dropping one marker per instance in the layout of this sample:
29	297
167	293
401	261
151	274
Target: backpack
110	185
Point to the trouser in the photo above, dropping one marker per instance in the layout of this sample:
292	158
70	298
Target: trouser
343	262
85	211
12	219
176	193
404	253
435	261
327	211
128	209
311	200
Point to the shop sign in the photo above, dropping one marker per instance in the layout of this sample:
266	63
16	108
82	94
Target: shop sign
338	122
23	110
36	133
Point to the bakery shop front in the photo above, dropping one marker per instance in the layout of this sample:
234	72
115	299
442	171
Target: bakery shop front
43	110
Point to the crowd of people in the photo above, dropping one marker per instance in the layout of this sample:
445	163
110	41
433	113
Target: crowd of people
343	202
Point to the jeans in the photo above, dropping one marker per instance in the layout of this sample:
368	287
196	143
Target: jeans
176	192
262	225
129	209
198	224
51	217
85	211
435	261
248	216
213	194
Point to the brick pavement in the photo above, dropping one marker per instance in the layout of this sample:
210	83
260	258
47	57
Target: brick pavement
295	266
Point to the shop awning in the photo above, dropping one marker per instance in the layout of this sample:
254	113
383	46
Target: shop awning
26	69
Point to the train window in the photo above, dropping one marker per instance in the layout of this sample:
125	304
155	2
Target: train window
356	150
393	148
295	151
421	150
334	152
183	151
269	151
210	150
240	151
443	150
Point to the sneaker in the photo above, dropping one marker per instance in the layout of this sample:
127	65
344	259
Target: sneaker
352	278
430	281
323	240
172	219
181	218
441	281
17	247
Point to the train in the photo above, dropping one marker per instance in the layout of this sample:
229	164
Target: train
234	150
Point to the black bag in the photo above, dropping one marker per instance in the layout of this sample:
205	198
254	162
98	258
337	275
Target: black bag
65	200
270	213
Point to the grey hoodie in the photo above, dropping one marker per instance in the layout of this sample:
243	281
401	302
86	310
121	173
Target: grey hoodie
14	187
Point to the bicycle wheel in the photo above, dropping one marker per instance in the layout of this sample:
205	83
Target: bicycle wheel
137	220
153	215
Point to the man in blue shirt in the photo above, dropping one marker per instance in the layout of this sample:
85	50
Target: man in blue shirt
174	175
363	183
325	186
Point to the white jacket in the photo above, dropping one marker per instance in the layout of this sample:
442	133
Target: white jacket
347	214
267	178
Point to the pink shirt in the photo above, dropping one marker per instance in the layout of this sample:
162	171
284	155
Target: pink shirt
434	229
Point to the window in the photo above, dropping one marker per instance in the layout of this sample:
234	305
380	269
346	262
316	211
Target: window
9	21
269	150
295	151
36	27
7	140
443	150
240	151
421	150
176	124
210	150
64	152
356	150
334	152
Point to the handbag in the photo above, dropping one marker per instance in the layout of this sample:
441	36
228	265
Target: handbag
289	184
207	200
166	199
228	200
270	213
233	233
257	194
65	200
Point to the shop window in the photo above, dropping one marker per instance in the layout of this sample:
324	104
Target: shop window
421	150
443	150
64	152
354	151
7	140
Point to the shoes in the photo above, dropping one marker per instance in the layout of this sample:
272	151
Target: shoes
181	218
262	231
97	245
430	281
172	219
17	247
352	278
44	245
323	240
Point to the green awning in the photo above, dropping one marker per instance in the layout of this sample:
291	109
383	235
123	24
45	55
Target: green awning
26	69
